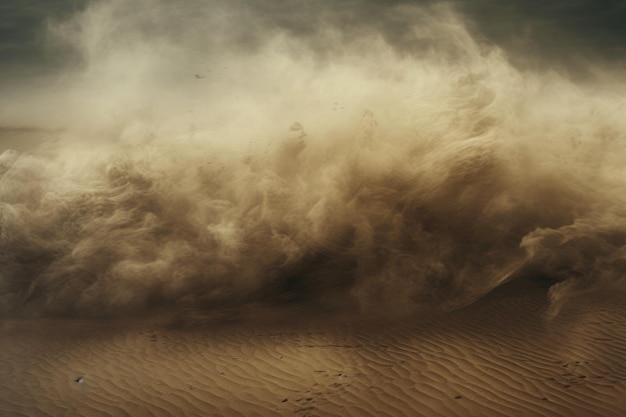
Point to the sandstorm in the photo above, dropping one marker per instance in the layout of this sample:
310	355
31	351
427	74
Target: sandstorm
200	155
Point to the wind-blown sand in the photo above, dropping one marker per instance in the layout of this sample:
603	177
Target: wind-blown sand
500	356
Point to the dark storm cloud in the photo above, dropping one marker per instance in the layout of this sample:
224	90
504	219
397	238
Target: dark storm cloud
23	25
556	34
539	31
565	35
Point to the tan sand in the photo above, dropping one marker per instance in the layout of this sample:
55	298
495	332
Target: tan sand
498	357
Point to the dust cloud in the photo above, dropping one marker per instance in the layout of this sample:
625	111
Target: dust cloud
204	155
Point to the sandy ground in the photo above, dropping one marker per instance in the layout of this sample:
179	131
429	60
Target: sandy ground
498	357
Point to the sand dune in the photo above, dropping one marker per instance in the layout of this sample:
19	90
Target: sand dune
498	357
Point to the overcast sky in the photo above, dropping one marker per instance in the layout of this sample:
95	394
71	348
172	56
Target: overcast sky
551	33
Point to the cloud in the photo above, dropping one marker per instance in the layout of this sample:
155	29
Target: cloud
569	36
380	158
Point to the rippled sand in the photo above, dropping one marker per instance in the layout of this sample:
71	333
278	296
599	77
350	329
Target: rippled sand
498	357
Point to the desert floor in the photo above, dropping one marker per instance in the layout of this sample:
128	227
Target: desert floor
498	357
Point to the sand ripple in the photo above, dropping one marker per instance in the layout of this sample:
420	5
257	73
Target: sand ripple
499	357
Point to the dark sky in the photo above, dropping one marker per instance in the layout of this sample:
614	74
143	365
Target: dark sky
23	33
559	34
